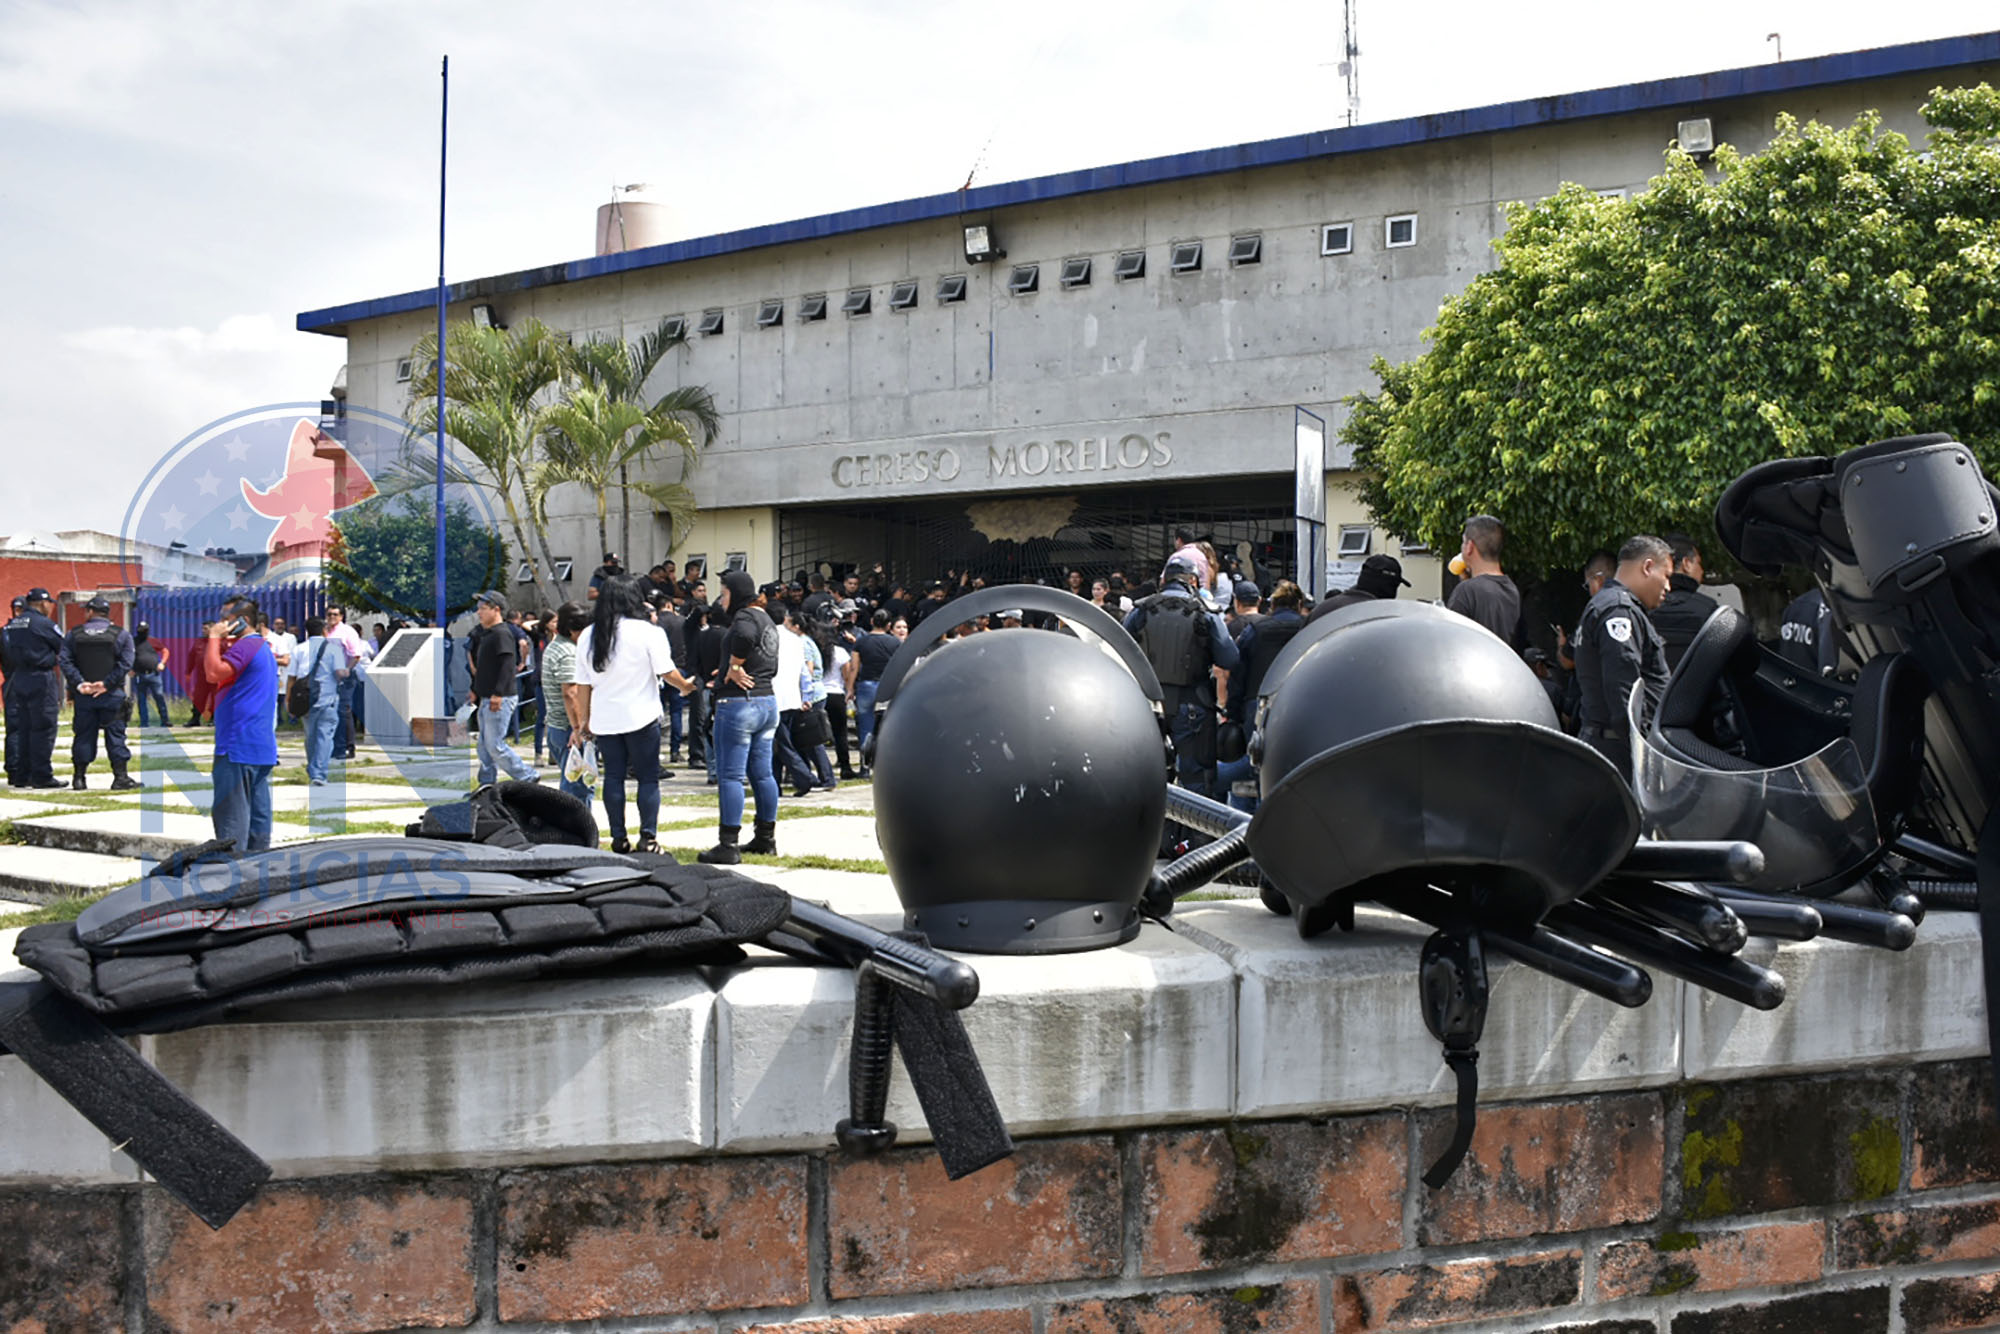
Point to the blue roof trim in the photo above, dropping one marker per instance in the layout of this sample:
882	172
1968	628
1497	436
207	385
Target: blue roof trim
1749	81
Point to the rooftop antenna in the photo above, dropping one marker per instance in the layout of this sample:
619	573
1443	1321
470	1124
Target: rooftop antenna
1350	64
1778	41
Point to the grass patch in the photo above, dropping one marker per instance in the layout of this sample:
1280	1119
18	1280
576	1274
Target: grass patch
62	910
858	865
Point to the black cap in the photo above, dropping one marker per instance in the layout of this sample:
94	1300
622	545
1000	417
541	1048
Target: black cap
98	604
20	603
1387	572
742	588
491	598
39	595
610	558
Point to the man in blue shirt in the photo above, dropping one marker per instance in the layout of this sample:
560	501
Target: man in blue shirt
245	673
1186	643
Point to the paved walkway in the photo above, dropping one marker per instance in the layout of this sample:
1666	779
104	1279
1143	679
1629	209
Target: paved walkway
61	844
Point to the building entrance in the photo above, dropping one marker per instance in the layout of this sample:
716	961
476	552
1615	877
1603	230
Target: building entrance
1038	537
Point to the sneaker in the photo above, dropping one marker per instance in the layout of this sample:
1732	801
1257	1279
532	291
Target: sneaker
319	782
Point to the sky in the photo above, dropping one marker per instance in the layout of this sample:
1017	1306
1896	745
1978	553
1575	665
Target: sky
179	178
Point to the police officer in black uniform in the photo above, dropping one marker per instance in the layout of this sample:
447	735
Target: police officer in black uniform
1807	637
7	699
96	658
34	648
1185	642
1685	609
1617	645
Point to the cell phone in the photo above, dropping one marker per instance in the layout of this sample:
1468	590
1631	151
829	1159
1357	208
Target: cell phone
238	628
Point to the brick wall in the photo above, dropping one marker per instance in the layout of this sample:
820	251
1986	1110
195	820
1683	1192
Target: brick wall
1856	1202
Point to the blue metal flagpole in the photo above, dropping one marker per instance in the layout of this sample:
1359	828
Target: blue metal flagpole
444	111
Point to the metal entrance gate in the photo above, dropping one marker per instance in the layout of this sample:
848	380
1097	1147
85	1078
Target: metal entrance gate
1014	537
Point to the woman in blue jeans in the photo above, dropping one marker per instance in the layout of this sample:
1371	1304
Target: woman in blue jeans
558	669
746	721
620	661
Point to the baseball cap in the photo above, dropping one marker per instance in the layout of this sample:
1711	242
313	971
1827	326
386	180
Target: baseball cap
846	607
98	604
1534	657
1011	614
39	595
1246	591
491	598
1385	568
19	603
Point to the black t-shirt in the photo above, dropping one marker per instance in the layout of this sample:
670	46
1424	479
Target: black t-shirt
753	637
708	651
145	656
873	654
494	659
1493	601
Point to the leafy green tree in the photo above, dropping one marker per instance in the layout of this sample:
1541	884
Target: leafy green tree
499	383
1628	358
602	437
386	556
620	370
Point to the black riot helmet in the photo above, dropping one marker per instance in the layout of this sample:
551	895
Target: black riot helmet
1444	764
1019	779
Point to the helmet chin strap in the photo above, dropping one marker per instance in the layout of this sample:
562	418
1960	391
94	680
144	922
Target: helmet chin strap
1452	978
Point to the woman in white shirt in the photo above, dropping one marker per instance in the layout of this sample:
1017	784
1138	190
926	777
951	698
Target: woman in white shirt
620	661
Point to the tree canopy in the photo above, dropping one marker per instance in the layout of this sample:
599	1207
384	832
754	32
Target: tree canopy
1629	357
386	561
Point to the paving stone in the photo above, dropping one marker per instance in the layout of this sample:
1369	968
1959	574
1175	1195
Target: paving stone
857	894
42	874
14	808
1926	1002
136	833
1333	1023
1137	1035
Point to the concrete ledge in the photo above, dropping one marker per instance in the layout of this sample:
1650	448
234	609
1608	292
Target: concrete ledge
1228	1015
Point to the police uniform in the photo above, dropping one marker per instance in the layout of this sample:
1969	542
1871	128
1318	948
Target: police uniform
1807	636
34	648
98	652
1681	614
1184	640
7	699
1616	646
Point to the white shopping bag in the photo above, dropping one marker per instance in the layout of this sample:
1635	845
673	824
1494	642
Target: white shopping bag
580	766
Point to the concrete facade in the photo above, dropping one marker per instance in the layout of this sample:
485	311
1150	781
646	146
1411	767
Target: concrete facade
1164	378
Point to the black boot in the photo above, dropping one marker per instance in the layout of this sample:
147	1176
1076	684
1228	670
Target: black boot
77	782
121	781
766	842
724	853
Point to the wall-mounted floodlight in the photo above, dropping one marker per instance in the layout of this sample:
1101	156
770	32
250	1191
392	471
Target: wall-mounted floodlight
484	318
979	247
1697	136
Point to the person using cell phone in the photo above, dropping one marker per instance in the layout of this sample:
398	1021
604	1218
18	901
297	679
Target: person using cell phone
244	671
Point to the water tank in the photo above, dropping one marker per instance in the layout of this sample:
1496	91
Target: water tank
635	218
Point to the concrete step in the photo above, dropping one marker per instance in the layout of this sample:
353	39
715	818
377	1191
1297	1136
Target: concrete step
137	833
44	874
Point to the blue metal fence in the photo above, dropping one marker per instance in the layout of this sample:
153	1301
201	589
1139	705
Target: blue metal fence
174	617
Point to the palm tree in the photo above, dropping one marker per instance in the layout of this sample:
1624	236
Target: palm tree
499	388
599	437
621	370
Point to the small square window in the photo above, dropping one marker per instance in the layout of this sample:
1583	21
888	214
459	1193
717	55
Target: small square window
1026	278
1612	192
1355	539
565	567
711	321
1399	231
903	295
1185	257
951	288
524	573
1246	249
675	326
1076	272
812	307
859	301
1413	548
1336	238
403	377
771	313
1131	264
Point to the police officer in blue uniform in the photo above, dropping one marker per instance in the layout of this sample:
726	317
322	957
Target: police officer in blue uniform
1618	646
7	699
34	648
1185	641
96	658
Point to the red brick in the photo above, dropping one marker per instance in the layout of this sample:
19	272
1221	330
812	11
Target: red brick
1051	1212
1846	1311
1940	1305
1013	1320
1424	1295
1752	1257
1546	1167
1213	1199
352	1254
1763	1145
1285	1308
1918	1236
1956	1136
64	1271
652	1239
